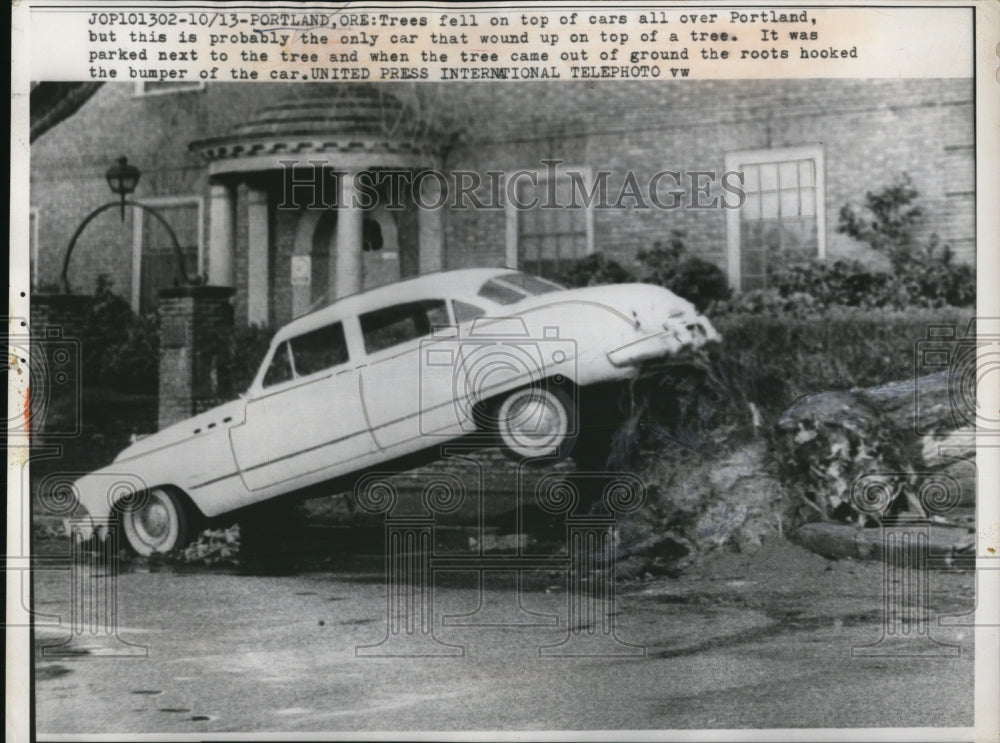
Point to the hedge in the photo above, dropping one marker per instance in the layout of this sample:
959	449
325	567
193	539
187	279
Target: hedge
775	359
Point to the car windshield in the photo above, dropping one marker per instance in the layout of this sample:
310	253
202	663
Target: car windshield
512	287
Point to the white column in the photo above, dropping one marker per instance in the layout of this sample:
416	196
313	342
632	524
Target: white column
346	278
258	251
221	234
429	233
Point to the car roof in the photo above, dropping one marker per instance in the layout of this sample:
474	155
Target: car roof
461	282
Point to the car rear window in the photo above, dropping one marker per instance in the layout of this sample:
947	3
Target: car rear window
500	293
512	287
530	284
400	323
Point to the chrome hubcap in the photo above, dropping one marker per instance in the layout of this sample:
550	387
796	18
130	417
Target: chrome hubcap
155	520
533	419
154	526
533	423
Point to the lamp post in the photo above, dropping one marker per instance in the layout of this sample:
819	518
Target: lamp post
122	179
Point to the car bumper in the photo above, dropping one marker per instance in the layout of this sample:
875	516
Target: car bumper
675	340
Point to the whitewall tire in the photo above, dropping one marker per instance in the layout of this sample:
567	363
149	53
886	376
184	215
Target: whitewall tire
536	422
157	523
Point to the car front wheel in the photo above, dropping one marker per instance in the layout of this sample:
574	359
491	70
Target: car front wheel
156	523
537	422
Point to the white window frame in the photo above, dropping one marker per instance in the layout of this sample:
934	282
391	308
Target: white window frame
137	226
34	212
513	223
736	161
142	92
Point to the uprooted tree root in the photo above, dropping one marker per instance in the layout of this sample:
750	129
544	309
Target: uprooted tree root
698	444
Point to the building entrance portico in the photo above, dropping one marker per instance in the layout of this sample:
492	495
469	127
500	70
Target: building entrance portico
290	225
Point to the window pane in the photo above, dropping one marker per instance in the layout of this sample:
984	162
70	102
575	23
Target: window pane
788	173
789	203
405	322
769	205
280	369
769	177
807	172
320	349
778	220
549	237
770	235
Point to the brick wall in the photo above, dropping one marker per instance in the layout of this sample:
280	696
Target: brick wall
871	130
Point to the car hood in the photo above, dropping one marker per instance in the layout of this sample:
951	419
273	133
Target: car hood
218	418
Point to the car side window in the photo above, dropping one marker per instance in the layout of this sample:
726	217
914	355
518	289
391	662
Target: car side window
280	369
464	311
400	323
319	349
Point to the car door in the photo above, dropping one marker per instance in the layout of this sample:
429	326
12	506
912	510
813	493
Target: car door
307	421
406	398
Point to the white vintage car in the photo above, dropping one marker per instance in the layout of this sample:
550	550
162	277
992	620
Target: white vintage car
492	355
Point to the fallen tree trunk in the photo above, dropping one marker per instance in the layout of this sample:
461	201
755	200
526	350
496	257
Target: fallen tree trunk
865	454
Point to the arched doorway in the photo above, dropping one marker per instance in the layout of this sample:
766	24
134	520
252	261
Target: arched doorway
315	255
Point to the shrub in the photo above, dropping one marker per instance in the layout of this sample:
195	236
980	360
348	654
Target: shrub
665	264
240	360
890	222
662	260
697	280
120	348
700	282
924	272
132	363
593	270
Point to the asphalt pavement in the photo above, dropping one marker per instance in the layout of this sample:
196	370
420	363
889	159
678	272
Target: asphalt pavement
768	640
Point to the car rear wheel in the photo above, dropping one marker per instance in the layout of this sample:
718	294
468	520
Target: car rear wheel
536	422
156	524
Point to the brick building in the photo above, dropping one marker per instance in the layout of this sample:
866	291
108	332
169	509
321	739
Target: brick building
210	160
